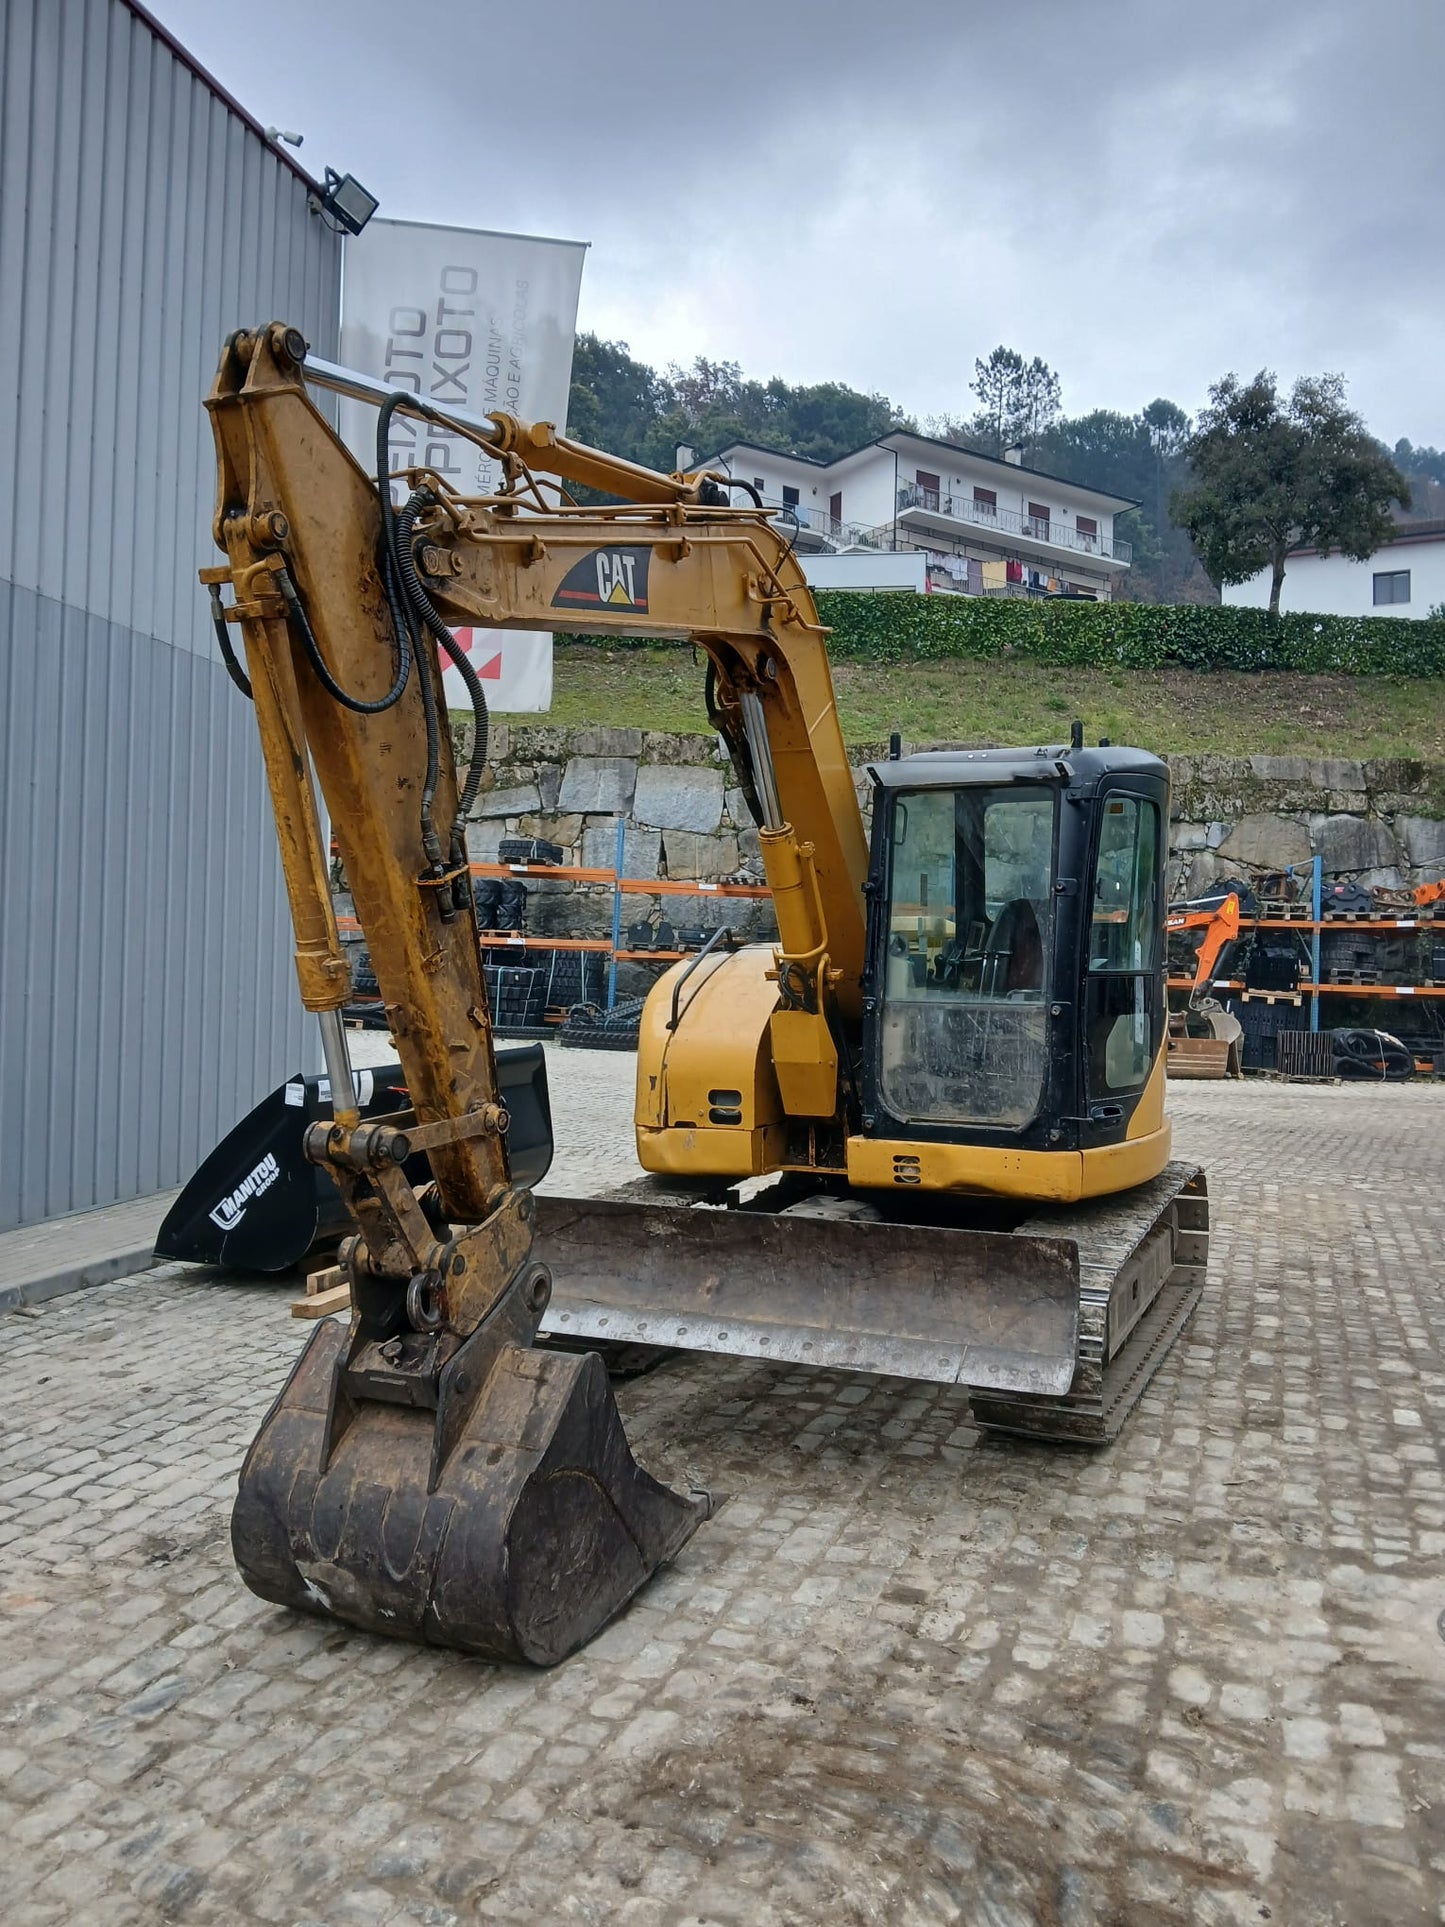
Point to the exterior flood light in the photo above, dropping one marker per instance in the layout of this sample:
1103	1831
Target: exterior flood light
347	201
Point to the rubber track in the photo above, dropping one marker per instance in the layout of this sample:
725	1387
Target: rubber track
1109	1232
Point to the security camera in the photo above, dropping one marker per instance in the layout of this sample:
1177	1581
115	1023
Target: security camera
280	134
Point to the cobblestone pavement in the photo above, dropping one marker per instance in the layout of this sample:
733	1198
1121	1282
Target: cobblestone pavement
904	1674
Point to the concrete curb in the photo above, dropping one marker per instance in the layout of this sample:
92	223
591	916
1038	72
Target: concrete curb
94	1271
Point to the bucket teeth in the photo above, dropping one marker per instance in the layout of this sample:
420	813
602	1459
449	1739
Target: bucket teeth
539	1529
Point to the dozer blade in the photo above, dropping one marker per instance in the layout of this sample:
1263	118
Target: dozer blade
980	1308
512	1522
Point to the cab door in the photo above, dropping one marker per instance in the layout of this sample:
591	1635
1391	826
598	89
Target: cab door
1124	994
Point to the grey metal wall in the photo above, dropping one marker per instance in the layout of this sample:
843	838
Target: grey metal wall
146	991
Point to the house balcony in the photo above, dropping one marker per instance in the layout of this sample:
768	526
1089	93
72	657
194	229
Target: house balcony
816	533
925	511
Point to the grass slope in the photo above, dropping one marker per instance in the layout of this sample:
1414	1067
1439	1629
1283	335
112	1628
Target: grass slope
1008	702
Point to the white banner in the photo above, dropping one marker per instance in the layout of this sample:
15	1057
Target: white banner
476	320
514	665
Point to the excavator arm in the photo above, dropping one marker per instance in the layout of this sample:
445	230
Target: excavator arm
343	603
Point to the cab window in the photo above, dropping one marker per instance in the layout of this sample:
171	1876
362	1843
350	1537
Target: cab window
970	928
1123	1011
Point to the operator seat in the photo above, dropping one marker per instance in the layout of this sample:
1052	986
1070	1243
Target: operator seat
1013	957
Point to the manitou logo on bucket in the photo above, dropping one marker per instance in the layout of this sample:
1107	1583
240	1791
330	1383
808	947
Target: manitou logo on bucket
230	1211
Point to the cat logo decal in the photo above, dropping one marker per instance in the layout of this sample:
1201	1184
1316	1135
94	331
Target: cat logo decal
606	579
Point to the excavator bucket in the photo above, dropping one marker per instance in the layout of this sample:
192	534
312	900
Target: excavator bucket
991	1309
511	1522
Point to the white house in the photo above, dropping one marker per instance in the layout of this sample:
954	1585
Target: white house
1405	578
986	527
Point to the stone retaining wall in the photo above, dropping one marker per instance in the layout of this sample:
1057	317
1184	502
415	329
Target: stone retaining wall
1382	821
1378	822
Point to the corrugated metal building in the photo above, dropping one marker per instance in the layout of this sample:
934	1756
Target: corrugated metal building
147	996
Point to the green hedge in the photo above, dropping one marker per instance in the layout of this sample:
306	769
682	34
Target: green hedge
897	627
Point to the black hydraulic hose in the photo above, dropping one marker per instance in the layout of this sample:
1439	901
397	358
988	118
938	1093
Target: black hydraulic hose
420	601
718	484
297	612
476	769
223	639
430	841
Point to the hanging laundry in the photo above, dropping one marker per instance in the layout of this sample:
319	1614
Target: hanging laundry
975	576
1015	571
994	574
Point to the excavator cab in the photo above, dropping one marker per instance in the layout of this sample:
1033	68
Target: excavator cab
1015	991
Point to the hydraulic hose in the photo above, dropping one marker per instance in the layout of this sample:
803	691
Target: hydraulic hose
296	610
400	535
420	601
223	642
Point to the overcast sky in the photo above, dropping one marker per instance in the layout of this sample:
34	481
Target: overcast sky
1144	192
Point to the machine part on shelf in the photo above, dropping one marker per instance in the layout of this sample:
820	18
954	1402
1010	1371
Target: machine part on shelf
1344	899
593	1028
575	977
486	897
511	911
535	849
1305	1053
951	1061
363	977
1261	1019
1204	1039
1374	1054
517	995
1275	960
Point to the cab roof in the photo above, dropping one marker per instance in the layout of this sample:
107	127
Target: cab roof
1047	763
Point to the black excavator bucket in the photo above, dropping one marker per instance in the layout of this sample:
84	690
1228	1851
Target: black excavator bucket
510	1522
257	1204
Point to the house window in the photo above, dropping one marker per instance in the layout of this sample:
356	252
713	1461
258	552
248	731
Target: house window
1086	525
929	489
835	508
790	497
1392	585
985	500
1039	516
759	484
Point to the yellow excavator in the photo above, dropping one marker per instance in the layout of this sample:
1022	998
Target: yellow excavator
922	1134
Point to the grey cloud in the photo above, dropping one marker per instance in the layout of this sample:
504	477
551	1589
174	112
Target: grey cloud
1145	191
